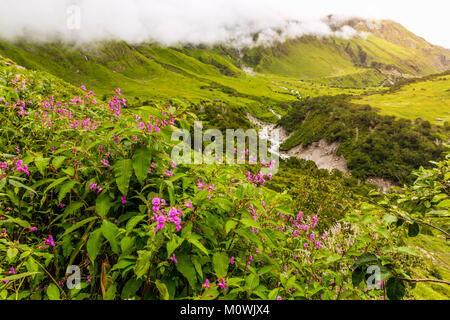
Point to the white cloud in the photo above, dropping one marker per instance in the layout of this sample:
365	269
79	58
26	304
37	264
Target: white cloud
195	21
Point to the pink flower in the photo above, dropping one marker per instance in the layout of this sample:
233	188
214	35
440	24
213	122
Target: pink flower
222	285
169	173
232	260
50	241
206	285
124	200
279	298
189	204
173	258
12	271
105	162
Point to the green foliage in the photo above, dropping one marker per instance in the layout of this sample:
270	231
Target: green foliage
374	145
89	183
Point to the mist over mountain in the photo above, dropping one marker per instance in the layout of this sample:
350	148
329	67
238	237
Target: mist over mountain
237	23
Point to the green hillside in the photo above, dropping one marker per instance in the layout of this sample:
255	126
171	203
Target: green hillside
428	99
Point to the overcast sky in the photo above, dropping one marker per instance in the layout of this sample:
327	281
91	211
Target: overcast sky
211	21
429	19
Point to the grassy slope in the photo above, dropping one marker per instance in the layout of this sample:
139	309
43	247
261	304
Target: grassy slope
158	74
436	265
429	100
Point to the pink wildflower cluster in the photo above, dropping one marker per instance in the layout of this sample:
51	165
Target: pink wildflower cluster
202	186
95	188
22	167
48	242
116	103
258	178
174	215
19	84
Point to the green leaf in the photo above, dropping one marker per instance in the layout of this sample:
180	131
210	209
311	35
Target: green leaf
444	204
55	183
77	225
142	263
230	225
103	204
199	245
162	288
170	190
252	281
142	160
70	171
186	268
73	207
58	161
65	189
134	221
395	289
220	264
110	232
111	292
358	276
17	184
413	229
366	259
333	258
18	276
123	170
94	244
42	164
12	253
130	288
173	244
53	292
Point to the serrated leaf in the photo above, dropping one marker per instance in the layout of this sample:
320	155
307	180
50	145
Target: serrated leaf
103	204
142	160
77	226
58	161
65	189
110	232
162	288
94	244
186	268
42	164
252	281
220	264
53	292
199	245
123	170
18	276
17	184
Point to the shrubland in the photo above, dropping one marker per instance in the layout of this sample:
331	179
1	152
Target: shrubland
89	182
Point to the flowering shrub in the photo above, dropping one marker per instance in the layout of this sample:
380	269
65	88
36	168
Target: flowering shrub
87	182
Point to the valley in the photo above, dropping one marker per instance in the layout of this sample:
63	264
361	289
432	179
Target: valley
87	179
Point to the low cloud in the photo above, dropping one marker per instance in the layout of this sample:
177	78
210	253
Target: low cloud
237	23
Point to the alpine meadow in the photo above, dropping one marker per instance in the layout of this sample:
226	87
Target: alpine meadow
355	112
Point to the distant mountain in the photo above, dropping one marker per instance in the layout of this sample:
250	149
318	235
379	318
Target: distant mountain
381	47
